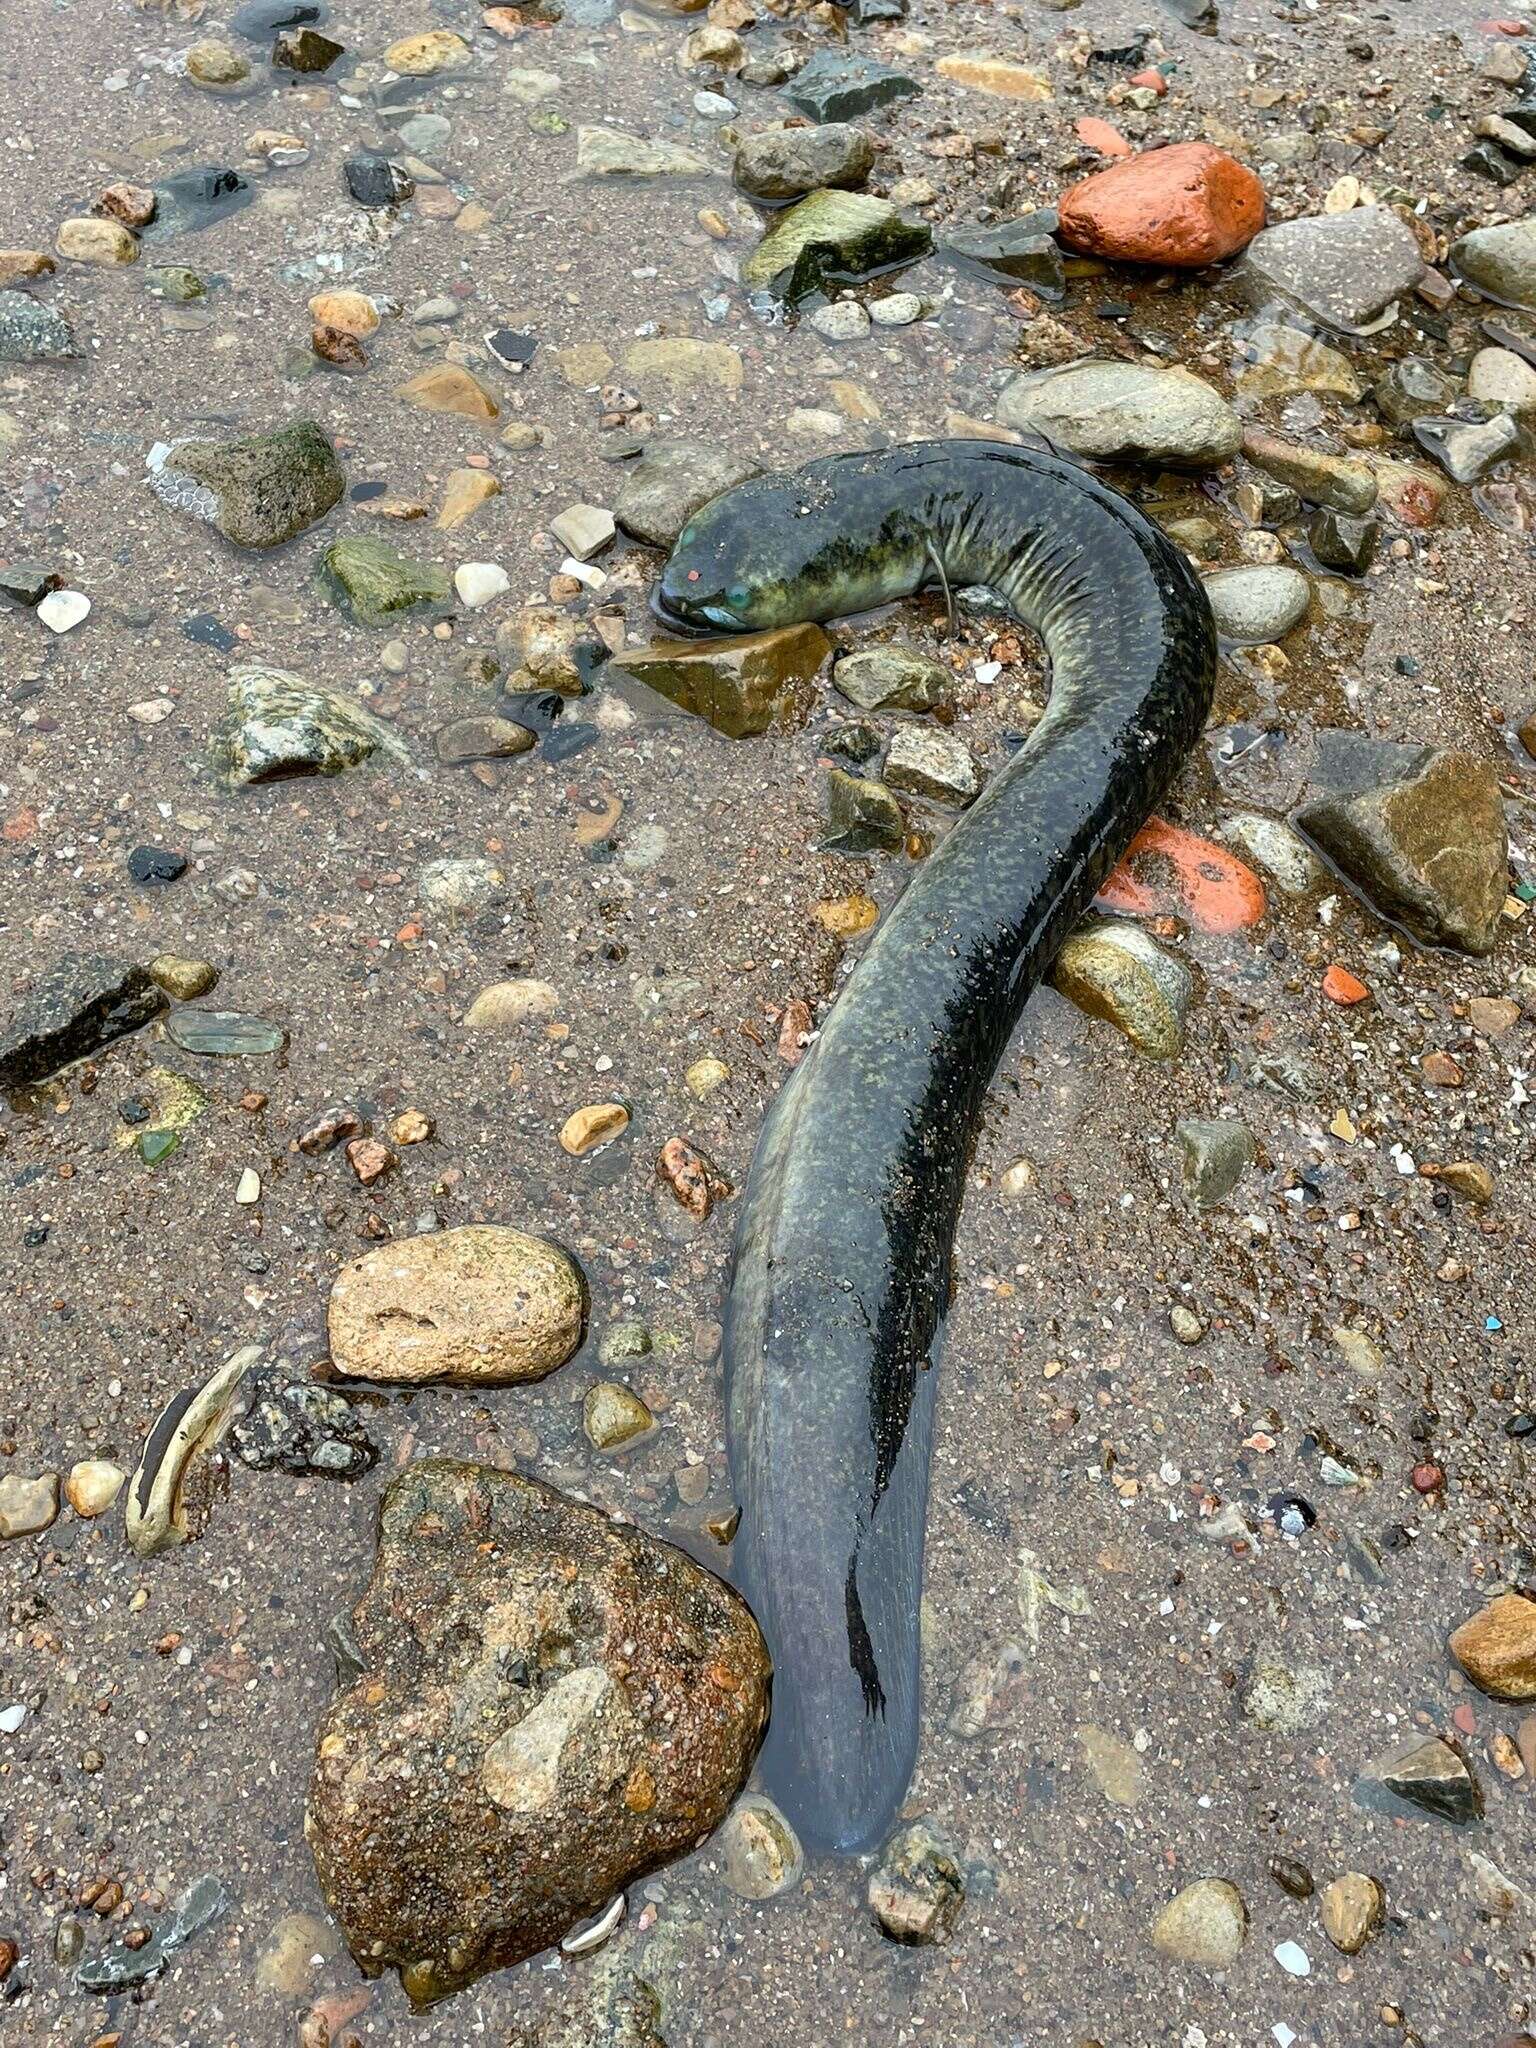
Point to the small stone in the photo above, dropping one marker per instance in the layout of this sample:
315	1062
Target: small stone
611	1415
572	1779
762	1853
786	163
1257	606
583	530
692	1176
1353	1909
1342	542
18	266
713	49
611	153
1205	1925
104	242
705	1076
1186	1326
893	678
216	66
1317	477
846	320
599	1123
480	1305
916	1889
350	312
1292	1877
183	978
280	724
1347	269
1282	362
376	583
480	583
1498	376
1466	450
258	492
1110	411
862	816
1500	261
1022	251
506	1004
292	1954
1283	1700
1423	1775
448	387
1410	388
28	1506
831	237
1114	970
425	55
1116	1766
897	309
623	1342
836	87
133	205
173	281
199	198
374	180
997	76
62	610
742	684
933	764
1430	851
464	493
456	886
1184	206
1217	1153
682	364
672	480
1497	1648
481	739
31	332
305	51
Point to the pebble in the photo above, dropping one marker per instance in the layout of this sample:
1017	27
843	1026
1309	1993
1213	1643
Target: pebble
705	1076
916	1889
999	77
612	153
1256	606
1341	541
1185	206
375	583
258	492
567	1790
1317	477
62	610
1411	387
448	387
781	164
743	684
1217	1153
97	241
463	494
897	309
93	1485
32	332
1286	1700
932	763
583	530
457	885
480	1305
28	1506
1421	1775
1353	1909
1022	251
1205	1925
183	978
893	678
1293	1959
1283	362
350	312
215	66
1110	411
480	583
599	1123
1500	261
611	1415
762	1853
374	180
692	1176
427	54
1497	376
845	320
279	723
292	1954
1116	971
1496	1648
670	481
506	1004
832	86
831	235
1347	269
623	1342
1465	449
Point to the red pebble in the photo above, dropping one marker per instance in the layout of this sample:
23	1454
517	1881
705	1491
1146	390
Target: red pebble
1151	78
1427	1478
1344	988
1466	1719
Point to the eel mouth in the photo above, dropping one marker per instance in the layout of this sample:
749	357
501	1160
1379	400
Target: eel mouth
676	621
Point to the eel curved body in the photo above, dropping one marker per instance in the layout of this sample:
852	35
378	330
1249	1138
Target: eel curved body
841	1270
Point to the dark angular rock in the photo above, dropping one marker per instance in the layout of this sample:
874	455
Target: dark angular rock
305	50
196	199
1023	251
297	1426
28	583
373	180
840	88
602	1698
77	1006
1422	1775
481	739
1342	542
862	816
156	864
1489	161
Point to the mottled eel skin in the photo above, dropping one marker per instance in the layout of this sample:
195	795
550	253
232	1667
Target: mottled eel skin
842	1258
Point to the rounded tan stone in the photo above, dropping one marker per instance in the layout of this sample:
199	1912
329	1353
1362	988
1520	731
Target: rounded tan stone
508	1003
596	1124
1353	1909
183	977
1497	1648
216	66
18	264
762	1853
106	242
349	312
419	56
611	1415
93	1485
482	1305
446	387
1205	1925
705	1076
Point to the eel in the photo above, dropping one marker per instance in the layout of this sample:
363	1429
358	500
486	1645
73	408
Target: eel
841	1267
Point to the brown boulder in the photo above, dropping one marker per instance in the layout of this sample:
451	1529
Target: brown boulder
1497	1648
548	1707
1187	205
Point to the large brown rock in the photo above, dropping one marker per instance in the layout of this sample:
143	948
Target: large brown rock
1187	205
478	1306
549	1706
1497	1648
1431	851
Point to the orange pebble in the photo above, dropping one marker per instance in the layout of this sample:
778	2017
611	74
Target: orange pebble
1151	77
1099	135
1169	872
1344	988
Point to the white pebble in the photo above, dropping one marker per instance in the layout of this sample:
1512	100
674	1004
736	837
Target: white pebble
62	609
897	309
846	320
249	1189
479	583
1293	1959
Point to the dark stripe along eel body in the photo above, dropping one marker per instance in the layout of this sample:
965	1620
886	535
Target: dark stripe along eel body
841	1274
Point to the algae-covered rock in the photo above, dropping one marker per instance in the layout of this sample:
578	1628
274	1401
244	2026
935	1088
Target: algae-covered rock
258	492
832	237
280	724
376	583
742	684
